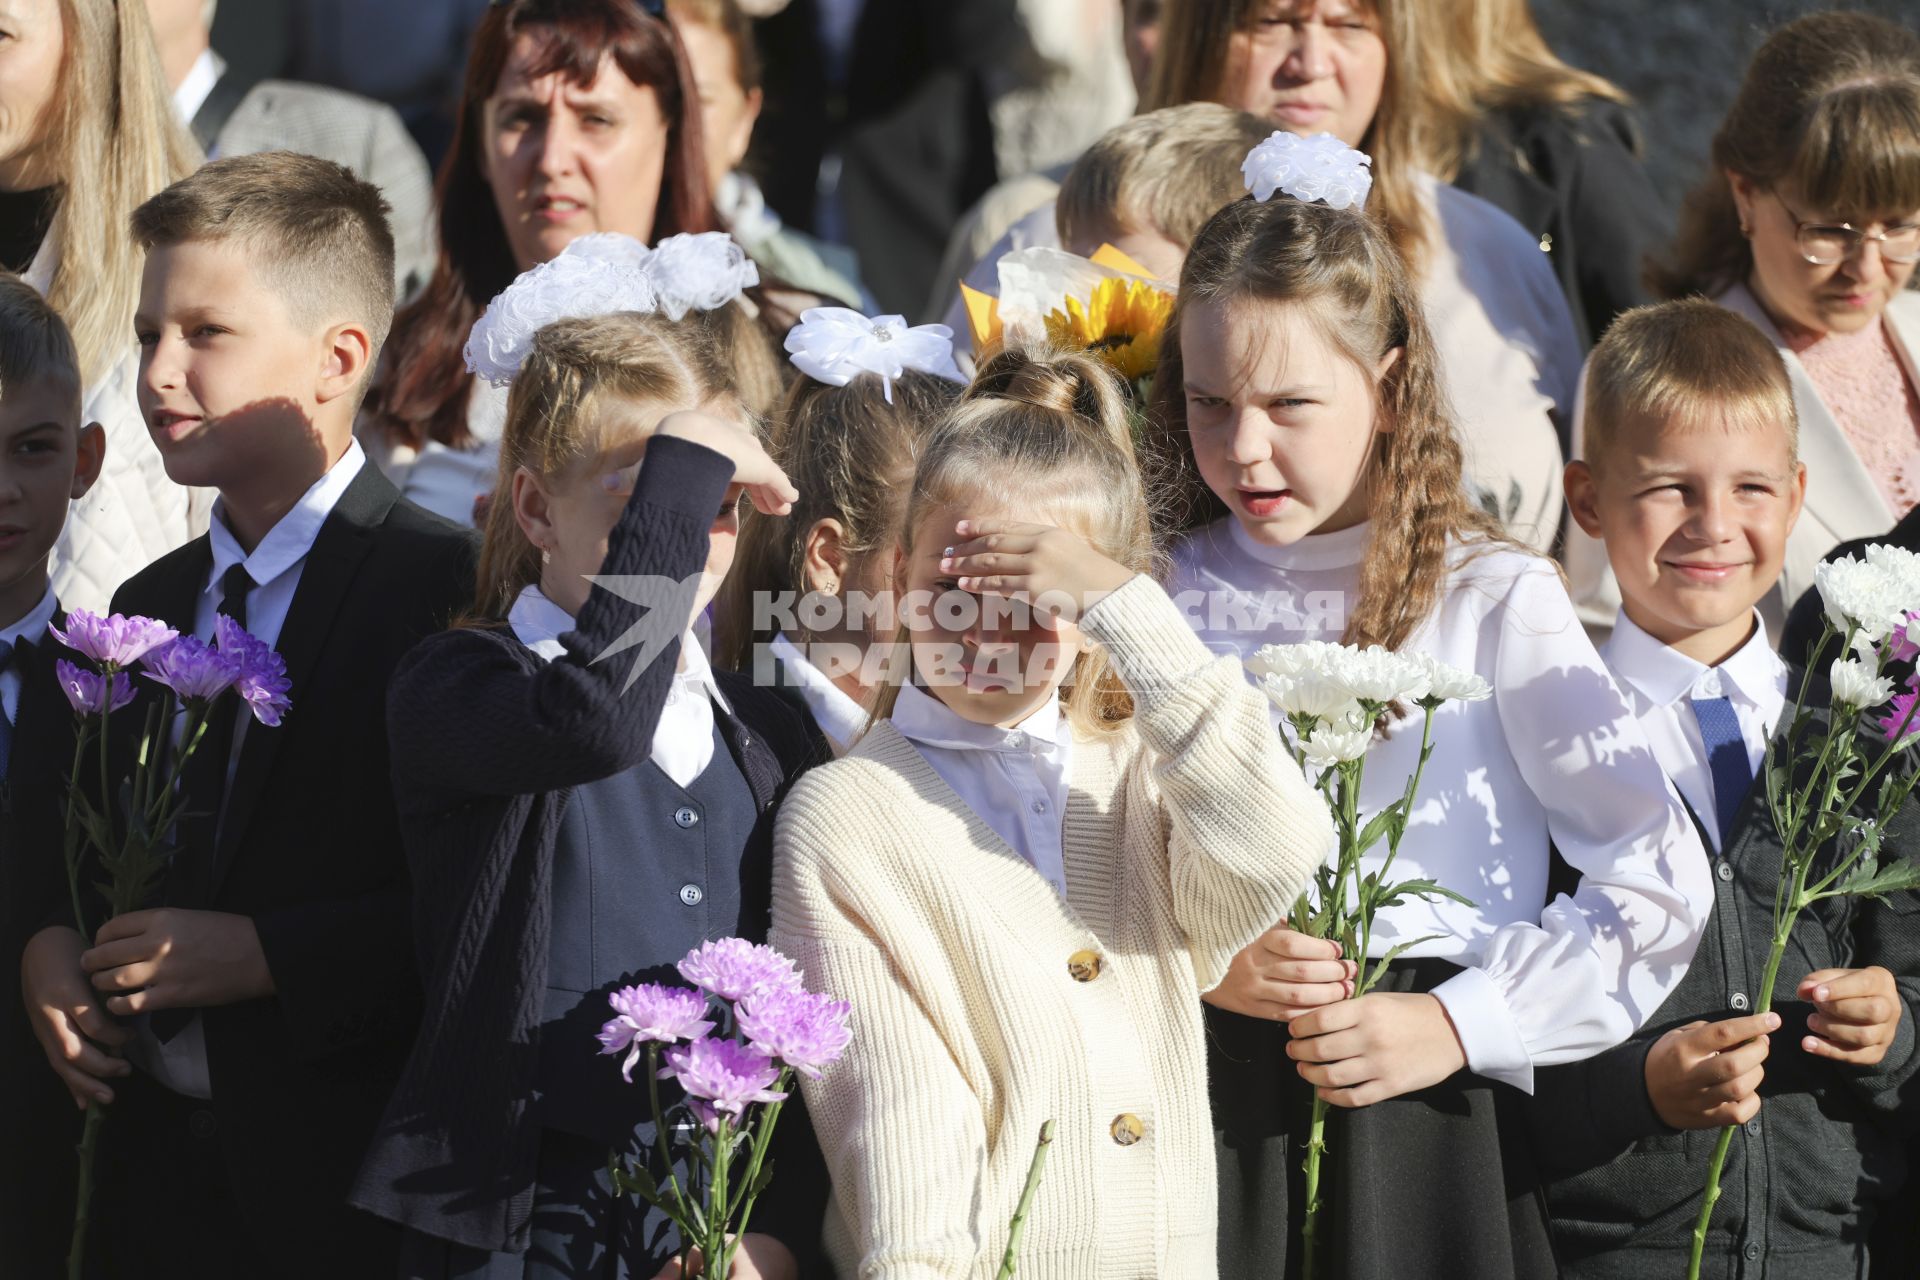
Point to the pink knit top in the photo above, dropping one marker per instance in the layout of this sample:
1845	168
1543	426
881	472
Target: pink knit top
1864	384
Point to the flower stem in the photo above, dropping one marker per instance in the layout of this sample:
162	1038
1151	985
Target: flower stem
1017	1229
689	1221
1310	1224
1763	1001
83	1193
717	1247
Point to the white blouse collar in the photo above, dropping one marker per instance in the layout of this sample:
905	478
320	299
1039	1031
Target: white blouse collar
538	623
839	717
1315	551
923	719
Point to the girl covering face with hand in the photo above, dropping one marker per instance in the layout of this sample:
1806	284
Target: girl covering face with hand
1070	821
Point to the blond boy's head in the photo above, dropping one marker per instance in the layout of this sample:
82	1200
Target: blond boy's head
1690	470
1149	184
267	292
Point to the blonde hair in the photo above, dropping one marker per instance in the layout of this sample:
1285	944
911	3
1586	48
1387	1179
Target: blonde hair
34	341
1677	363
1166	171
1483	56
554	423
1831	108
315	232
1050	428
1338	268
1193	61
117	142
750	369
850	452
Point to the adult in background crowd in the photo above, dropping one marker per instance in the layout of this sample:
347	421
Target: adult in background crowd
233	114
879	131
718	37
1808	224
1553	146
579	116
409	54
87	133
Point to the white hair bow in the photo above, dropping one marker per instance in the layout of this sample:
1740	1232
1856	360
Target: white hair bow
1318	168
835	344
602	274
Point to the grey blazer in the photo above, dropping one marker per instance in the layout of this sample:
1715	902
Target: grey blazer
365	136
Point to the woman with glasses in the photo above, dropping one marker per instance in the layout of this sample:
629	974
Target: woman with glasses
1808	224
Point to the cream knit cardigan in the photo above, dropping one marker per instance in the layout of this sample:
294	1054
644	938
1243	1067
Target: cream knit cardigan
1187	833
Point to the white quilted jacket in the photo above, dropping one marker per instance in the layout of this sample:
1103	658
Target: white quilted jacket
134	513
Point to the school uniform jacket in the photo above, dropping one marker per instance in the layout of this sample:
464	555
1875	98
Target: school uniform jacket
309	849
38	1122
489	741
1803	1176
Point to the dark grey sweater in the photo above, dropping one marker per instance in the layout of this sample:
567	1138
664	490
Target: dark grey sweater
1804	1177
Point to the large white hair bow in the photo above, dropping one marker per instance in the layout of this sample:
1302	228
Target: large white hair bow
836	344
602	274
1318	168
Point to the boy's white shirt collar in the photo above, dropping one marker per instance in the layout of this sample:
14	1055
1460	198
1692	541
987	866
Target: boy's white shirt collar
32	627
539	623
198	84
292	537
839	717
1663	675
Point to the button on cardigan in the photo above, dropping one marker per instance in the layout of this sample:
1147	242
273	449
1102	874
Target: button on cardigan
985	1003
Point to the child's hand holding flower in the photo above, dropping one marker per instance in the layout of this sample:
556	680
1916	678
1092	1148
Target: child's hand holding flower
1856	1014
1706	1075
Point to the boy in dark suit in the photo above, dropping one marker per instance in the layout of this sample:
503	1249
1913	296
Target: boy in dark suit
49	455
1692	480
273	995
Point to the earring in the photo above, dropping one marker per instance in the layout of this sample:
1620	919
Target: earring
546	556
831	586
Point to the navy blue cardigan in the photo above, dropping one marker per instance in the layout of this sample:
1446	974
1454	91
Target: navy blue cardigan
488	741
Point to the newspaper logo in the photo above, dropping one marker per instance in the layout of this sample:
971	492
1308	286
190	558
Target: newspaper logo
669	606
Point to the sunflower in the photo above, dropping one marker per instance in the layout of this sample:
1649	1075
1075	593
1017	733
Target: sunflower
1121	324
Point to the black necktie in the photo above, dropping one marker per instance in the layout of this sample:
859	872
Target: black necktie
190	883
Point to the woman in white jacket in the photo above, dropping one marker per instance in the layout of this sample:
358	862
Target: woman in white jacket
1808	224
88	134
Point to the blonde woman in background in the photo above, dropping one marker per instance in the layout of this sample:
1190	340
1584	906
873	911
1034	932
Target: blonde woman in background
1554	147
87	133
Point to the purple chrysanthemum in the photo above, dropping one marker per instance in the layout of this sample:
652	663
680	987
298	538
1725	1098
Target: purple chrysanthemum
113	641
262	683
192	669
87	690
1902	720
703	1112
652	1012
733	967
1904	643
807	1030
731	1076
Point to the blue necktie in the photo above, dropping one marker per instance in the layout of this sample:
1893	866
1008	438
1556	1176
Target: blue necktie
1726	759
6	722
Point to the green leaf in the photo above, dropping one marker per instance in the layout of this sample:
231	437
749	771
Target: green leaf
1396	894
1377	826
1869	881
1395	951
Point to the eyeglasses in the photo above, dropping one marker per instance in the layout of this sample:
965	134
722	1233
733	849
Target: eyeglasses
1825	244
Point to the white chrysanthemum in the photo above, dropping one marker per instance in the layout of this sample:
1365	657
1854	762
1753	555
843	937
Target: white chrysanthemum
1312	694
1901	565
836	344
1856	684
596	275
1294	659
1862	594
1451	684
1374	674
700	271
1318	168
1328	745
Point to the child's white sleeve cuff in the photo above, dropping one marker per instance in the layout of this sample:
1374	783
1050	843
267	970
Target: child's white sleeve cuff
1486	1028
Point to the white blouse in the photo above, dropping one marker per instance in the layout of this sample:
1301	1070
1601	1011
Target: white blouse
839	717
683	740
1015	779
1659	683
1554	755
445	479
